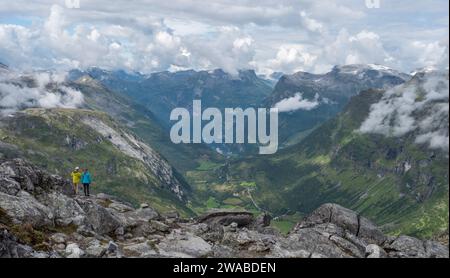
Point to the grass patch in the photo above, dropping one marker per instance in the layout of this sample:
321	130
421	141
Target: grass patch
284	226
67	230
26	234
212	203
233	202
105	203
207	165
5	219
248	184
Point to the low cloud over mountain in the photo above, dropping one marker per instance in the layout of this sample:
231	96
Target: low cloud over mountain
419	107
297	102
19	92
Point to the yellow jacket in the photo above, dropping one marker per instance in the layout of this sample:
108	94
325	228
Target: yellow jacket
76	177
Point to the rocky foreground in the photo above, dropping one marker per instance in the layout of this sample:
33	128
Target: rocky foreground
40	218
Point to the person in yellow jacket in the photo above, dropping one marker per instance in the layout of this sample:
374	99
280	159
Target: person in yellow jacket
76	179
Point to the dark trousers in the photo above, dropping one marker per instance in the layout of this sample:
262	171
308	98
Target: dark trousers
86	189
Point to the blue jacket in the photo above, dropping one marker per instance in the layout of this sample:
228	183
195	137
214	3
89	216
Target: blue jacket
86	178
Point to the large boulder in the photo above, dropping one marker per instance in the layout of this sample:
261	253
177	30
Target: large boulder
24	208
325	240
409	247
181	244
346	219
65	209
99	218
226	217
32	179
8	245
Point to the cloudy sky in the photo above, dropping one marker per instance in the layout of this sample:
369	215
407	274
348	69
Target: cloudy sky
268	36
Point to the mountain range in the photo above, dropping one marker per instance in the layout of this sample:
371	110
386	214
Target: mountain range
339	144
399	180
307	100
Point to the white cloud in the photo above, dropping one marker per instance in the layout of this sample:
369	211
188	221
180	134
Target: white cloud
291	58
231	50
285	35
420	108
297	102
16	95
363	48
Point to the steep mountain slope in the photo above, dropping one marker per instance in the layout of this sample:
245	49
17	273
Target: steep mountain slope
161	92
77	132
164	91
143	122
122	165
396	180
307	100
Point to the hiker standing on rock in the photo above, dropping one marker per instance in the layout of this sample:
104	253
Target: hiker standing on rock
76	178
86	180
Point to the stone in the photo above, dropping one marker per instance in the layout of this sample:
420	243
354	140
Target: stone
58	238
113	247
95	249
60	247
104	197
409	247
144	214
184	245
225	218
66	210
436	250
159	226
119	231
120	207
99	218
24	208
171	215
139	250
74	251
9	186
375	252
9	247
347	220
262	221
85	230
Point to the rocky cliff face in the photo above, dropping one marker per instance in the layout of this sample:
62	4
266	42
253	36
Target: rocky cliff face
39	217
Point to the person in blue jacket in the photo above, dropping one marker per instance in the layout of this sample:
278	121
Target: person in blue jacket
86	180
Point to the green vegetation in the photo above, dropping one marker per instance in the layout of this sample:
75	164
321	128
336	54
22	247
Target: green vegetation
59	140
28	235
396	183
248	184
212	203
284	226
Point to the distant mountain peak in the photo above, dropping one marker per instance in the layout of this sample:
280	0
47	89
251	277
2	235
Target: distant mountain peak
89	81
428	70
361	68
3	67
